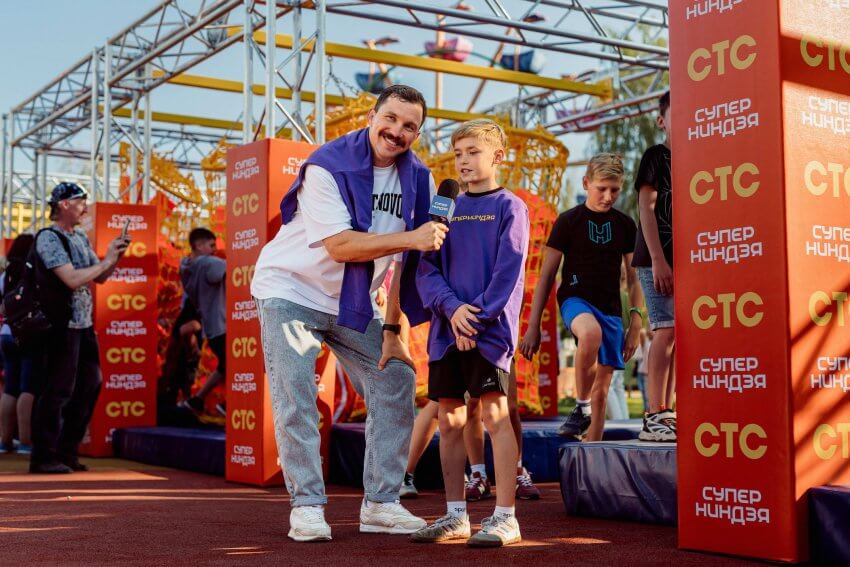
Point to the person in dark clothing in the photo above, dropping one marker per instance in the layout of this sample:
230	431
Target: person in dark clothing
72	379
202	274
18	364
182	356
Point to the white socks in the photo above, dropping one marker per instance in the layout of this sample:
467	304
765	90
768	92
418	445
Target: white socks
457	509
505	511
480	469
584	406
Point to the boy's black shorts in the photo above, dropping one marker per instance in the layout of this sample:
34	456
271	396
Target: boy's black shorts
460	372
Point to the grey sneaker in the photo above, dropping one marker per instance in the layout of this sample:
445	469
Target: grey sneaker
496	531
668	418
576	424
655	430
446	528
408	489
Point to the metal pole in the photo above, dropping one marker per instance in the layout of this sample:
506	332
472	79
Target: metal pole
146	144
35	190
107	122
43	212
95	56
271	47
320	71
247	75
11	188
4	142
296	86
134	153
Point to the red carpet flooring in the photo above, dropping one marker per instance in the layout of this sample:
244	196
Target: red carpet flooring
124	513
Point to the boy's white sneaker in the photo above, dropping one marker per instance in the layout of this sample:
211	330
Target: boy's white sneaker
496	531
388	518
307	523
444	529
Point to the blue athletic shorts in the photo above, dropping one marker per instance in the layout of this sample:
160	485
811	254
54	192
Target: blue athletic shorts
613	336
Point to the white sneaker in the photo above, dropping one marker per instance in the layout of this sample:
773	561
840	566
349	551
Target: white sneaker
307	523
496	531
668	418
388	518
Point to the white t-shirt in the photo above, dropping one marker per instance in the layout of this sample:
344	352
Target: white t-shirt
296	266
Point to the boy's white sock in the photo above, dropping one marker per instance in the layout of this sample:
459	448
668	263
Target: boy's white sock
457	509
519	464
584	406
480	469
505	511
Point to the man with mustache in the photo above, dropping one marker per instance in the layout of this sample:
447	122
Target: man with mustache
360	203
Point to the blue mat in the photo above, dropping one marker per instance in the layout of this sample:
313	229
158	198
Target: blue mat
540	442
197	450
829	520
629	480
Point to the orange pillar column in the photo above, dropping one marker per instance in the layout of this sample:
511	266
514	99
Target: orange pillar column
258	175
761	119
125	321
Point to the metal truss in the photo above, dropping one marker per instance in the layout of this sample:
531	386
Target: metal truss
82	113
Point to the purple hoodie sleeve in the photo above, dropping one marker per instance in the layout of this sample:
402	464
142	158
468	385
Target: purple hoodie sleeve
433	288
510	263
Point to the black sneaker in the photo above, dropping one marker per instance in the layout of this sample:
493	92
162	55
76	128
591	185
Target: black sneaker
50	467
75	465
408	489
576	424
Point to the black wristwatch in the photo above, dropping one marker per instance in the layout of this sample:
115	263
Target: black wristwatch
392	328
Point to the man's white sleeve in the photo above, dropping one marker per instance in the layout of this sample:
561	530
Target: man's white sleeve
321	206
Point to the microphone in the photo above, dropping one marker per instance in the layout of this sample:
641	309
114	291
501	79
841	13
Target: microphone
442	202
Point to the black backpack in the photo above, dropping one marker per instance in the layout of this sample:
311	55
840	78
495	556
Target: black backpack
39	300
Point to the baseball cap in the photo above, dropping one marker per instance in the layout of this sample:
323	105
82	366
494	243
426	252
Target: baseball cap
67	190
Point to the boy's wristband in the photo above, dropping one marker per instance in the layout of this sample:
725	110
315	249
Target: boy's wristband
636	310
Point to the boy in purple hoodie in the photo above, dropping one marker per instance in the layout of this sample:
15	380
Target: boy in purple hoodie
473	287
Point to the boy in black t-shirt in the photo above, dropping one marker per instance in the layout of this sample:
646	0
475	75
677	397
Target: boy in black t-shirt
595	240
653	259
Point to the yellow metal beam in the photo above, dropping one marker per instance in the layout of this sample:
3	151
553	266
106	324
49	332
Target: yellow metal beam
602	89
226	85
183	119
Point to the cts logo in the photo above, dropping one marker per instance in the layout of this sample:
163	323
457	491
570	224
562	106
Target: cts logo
125	408
546	315
242	275
544	358
125	355
702	58
136	250
709	304
126	301
243	347
243	420
708	440
826	440
832	177
815	50
599	234
245	204
704	184
835	303
545	402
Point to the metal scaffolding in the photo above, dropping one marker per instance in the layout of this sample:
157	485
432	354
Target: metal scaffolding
104	98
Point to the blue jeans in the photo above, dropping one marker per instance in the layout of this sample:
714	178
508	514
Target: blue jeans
292	339
658	306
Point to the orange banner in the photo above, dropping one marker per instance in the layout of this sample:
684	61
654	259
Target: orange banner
125	322
258	174
758	267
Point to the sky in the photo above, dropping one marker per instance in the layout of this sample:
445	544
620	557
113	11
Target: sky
42	38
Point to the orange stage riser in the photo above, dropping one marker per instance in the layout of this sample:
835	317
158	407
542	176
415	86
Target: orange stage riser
258	175
760	282
125	319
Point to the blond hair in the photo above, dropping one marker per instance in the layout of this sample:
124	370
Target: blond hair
605	166
484	130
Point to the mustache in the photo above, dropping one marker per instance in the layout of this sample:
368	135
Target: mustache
393	139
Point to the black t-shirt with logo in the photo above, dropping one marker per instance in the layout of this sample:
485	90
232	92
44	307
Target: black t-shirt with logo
593	245
655	171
